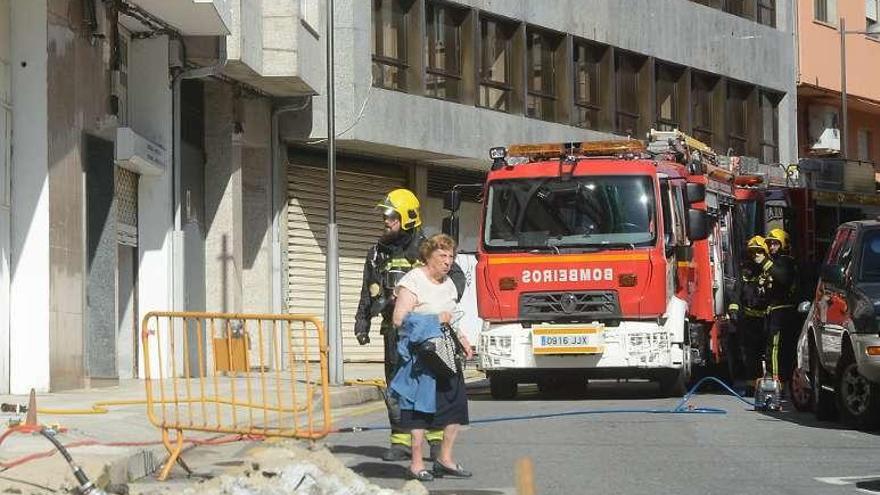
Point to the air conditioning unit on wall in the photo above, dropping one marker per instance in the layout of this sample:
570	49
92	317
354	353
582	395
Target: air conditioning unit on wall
824	132
138	154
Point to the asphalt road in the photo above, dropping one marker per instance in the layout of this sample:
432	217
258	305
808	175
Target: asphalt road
742	452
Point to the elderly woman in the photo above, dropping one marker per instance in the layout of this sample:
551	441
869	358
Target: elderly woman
427	290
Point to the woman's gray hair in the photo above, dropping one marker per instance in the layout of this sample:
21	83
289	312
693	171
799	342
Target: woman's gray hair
435	242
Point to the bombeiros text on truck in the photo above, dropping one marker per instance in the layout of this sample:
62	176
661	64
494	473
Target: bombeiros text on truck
603	260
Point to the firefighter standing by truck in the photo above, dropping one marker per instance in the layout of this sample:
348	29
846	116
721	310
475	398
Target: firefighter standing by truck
782	293
748	309
396	253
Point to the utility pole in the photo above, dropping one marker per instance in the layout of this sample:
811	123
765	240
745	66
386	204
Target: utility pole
844	124
331	302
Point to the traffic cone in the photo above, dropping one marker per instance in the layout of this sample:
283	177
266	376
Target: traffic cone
30	421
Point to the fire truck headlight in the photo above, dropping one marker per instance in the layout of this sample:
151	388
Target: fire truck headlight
498	345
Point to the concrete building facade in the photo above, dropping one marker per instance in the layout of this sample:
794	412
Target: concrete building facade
424	88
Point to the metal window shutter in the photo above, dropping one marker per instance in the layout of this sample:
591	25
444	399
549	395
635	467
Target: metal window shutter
126	206
359	228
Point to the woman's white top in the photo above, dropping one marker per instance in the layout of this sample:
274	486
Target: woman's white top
432	297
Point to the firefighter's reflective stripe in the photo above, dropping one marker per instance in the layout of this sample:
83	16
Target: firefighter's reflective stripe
755	313
405	439
780	306
401	263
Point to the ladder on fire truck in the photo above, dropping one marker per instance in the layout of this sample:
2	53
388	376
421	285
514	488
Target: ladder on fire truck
678	147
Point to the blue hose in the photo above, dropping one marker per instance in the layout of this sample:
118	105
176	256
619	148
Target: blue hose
680	408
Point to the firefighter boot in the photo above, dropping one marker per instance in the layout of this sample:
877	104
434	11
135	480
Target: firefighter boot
435	450
435	439
396	453
400	449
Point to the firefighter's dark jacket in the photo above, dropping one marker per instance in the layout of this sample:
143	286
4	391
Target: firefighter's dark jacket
749	293
782	285
400	254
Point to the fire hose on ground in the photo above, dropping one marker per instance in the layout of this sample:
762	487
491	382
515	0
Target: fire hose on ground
683	407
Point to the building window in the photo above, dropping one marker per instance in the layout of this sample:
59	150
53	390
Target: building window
769	108
587	89
825	11
443	51
668	97
735	7
737	118
872	17
496	46
541	50
767	12
703	108
120	84
626	69
389	43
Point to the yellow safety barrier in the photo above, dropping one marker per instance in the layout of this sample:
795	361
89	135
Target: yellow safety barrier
248	374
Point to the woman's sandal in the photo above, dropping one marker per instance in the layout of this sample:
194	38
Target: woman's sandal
440	470
423	475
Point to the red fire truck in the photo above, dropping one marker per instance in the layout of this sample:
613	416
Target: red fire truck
604	260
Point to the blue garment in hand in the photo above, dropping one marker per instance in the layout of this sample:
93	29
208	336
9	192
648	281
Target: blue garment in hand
414	384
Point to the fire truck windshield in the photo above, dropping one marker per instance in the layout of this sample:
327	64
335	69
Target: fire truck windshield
585	211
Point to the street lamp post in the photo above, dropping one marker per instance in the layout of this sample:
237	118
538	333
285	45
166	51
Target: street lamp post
844	124
331	301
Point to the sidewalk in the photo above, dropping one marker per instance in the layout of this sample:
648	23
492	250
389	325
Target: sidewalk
136	450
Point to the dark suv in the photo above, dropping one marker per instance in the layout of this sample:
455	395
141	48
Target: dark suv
838	360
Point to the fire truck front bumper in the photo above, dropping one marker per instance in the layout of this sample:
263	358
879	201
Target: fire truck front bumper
619	351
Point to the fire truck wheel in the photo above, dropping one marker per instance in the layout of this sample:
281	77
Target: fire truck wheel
673	383
502	387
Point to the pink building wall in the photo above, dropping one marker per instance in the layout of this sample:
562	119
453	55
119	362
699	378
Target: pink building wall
819	51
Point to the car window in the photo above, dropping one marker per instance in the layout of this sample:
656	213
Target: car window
870	266
845	255
840	239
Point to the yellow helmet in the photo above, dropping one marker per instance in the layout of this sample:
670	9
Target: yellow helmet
780	236
758	243
406	205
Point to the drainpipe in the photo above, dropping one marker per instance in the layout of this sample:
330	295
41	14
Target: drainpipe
276	180
177	240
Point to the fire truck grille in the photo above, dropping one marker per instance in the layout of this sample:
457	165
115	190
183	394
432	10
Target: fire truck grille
593	305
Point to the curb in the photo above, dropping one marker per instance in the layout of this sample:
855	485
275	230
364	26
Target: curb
353	395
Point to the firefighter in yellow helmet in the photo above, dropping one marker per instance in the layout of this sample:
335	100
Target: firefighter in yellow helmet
747	310
396	253
782	317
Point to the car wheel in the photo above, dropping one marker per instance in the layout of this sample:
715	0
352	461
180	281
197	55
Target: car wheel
800	390
502	387
823	400
857	398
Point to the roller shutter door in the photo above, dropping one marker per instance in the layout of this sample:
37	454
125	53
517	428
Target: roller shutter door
359	228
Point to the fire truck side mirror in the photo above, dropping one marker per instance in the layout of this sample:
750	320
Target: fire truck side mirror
696	193
452	200
450	226
698	224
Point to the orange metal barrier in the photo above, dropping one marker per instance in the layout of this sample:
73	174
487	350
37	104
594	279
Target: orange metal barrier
247	374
